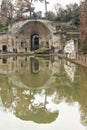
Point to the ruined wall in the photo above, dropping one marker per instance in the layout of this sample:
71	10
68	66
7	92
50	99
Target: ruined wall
22	35
36	28
44	32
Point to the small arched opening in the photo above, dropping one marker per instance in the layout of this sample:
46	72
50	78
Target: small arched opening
34	42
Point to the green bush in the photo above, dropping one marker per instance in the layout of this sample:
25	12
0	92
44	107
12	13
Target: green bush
42	51
4	29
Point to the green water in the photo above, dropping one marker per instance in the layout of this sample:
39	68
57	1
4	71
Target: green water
42	94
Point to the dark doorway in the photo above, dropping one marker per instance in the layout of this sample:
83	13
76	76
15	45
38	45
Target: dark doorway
4	48
34	42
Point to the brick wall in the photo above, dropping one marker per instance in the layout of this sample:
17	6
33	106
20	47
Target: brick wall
83	20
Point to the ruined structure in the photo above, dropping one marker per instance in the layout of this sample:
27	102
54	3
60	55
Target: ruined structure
30	35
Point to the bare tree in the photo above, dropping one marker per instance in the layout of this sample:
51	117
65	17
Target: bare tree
23	6
6	11
57	8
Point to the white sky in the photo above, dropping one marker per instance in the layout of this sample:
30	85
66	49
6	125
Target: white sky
40	6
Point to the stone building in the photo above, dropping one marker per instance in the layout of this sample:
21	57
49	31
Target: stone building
30	35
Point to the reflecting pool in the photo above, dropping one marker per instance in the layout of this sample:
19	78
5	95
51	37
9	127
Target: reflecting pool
42	93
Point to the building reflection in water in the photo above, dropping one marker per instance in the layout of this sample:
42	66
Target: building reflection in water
17	93
34	66
70	69
32	89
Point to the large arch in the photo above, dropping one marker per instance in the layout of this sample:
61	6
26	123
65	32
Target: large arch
24	32
37	33
36	27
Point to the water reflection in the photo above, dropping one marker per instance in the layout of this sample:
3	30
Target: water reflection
34	66
70	70
33	89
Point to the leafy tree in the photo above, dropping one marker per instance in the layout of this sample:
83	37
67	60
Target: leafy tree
73	12
39	14
70	13
50	15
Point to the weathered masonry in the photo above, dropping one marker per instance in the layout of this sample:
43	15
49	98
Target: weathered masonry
29	35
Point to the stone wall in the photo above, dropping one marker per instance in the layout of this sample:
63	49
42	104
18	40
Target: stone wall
44	32
31	35
35	28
